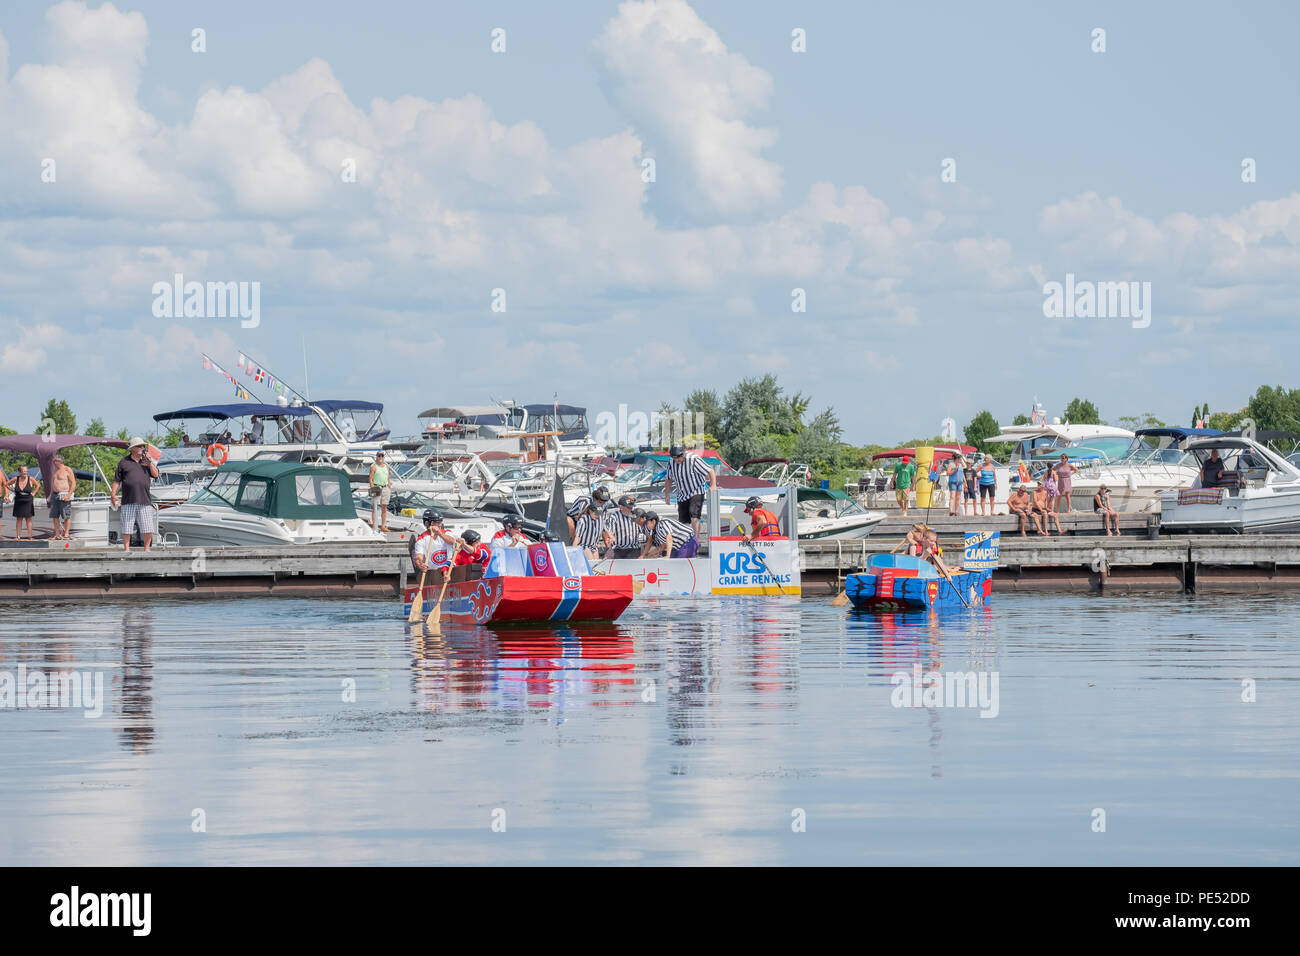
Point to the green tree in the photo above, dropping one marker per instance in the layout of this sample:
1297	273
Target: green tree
56	419
704	405
1226	421
980	429
1275	408
1080	411
1134	422
1020	420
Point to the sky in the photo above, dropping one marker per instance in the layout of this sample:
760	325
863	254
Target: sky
128	157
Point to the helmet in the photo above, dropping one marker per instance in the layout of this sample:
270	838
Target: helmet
512	521
677	450
638	513
432	517
627	501
601	493
752	502
470	536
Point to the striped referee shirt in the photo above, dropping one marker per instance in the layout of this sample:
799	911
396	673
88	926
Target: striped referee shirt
690	476
586	533
579	507
627	533
681	533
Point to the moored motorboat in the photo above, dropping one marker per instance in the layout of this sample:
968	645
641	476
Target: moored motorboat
1257	490
893	582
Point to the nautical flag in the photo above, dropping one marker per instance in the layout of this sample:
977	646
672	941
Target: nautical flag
259	374
207	363
241	361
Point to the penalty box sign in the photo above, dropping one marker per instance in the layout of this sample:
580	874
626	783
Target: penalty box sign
981	549
740	569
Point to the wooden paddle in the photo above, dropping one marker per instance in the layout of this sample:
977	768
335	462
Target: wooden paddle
435	615
417	602
762	565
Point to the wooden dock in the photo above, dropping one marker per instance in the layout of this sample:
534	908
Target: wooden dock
1076	562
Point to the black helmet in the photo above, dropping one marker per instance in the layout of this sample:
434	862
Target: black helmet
638	513
470	536
512	521
752	502
627	501
601	493
677	450
432	517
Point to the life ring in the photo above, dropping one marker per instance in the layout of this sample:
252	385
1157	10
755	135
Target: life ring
217	449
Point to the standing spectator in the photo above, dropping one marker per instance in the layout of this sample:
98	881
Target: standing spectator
969	480
381	492
1109	516
257	430
1053	490
621	534
133	476
62	484
904	472
26	488
688	473
954	475
4	494
1065	480
988	484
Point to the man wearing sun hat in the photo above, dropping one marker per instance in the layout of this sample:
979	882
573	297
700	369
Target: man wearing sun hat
134	474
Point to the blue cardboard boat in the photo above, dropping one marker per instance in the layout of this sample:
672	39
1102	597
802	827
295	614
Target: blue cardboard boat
900	582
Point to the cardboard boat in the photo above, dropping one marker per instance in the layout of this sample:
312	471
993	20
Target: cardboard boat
545	582
894	582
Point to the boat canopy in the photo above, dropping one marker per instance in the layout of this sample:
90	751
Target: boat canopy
1176	432
45	447
470	414
1070	433
234	410
941	452
330	405
280	489
540	410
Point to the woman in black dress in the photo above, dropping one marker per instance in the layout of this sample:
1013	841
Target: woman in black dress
25	489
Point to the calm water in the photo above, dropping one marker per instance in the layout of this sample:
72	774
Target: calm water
687	733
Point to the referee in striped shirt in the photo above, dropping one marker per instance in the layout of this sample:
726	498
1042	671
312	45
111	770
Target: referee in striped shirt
581	504
672	538
587	528
621	534
692	478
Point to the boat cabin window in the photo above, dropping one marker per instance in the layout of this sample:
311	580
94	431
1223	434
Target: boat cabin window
318	490
224	485
254	493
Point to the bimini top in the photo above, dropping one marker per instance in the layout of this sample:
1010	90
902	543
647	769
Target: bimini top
540	410
1176	432
290	490
45	447
334	404
469	413
234	410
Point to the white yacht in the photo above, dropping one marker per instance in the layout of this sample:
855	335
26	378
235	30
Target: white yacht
1156	461
1257	491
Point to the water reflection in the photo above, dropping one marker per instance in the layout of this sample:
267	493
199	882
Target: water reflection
135	682
551	667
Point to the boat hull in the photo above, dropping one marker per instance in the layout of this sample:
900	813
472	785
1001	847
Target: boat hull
899	591
507	600
1273	511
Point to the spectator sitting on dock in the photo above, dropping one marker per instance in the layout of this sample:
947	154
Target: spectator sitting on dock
904	472
1101	505
1021	506
1042	511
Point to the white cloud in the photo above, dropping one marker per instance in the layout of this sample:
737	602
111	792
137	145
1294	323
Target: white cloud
690	98
29	353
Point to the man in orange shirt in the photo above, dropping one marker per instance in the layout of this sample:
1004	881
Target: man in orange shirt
763	523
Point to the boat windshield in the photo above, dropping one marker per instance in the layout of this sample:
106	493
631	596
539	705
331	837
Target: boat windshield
222	489
830	506
357	424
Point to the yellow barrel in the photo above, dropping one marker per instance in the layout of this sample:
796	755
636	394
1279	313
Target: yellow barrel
924	459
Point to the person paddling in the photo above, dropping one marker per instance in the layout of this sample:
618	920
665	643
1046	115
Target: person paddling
763	523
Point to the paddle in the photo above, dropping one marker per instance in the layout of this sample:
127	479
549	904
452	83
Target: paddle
435	615
762	565
417	601
954	587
